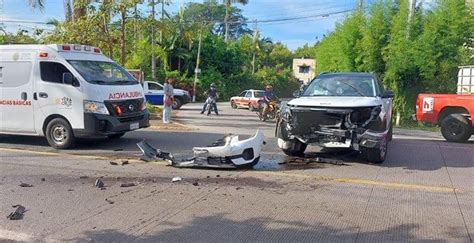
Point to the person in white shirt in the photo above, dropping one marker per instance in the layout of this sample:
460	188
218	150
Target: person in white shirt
168	99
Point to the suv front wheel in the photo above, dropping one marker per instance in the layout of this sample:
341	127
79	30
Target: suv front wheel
292	147
377	155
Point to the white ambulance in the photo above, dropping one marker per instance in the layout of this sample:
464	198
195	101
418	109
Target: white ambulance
67	91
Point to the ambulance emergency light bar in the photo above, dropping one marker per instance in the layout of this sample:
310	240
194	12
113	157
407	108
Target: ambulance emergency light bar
76	48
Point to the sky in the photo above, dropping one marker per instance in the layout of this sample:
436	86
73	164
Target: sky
318	19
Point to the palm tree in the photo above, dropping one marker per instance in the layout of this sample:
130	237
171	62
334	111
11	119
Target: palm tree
73	9
39	4
228	5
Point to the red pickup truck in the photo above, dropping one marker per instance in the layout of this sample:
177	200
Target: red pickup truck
452	112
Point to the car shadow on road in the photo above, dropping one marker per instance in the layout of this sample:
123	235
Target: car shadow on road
429	154
219	228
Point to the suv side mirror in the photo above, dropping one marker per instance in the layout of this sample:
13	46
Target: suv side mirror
387	95
297	93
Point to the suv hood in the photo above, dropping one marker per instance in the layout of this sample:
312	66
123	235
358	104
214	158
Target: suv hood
335	101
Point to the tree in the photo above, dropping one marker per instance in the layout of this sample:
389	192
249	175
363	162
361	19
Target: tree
209	14
36	4
228	4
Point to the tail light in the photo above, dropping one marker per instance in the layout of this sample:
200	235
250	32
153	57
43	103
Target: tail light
96	50
43	54
142	106
66	48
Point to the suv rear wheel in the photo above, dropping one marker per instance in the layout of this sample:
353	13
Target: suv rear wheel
456	128
59	134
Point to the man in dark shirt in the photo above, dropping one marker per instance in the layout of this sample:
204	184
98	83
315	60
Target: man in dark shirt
211	93
268	98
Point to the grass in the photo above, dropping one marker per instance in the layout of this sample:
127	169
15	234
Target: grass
155	111
414	125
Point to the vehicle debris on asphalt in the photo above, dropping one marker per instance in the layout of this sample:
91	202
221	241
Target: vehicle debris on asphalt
99	183
18	213
125	162
228	152
25	185
151	154
176	179
109	201
83	177
113	163
130	184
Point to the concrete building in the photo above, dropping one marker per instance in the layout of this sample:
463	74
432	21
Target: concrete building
303	69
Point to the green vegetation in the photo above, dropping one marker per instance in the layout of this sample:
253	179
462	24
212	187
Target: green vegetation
123	33
410	55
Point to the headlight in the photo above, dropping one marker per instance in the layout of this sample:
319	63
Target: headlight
95	107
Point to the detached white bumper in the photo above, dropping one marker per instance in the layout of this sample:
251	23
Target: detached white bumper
239	153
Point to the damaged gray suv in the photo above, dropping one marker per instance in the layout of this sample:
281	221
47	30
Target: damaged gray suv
338	110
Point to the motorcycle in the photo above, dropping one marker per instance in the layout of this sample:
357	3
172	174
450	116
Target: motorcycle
210	103
272	110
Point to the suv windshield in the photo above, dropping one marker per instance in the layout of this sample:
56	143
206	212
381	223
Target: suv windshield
99	72
341	85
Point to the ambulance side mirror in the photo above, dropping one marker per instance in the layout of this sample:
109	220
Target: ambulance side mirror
68	78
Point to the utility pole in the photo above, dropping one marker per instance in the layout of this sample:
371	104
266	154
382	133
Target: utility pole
161	19
153	60
411	8
197	70
255	39
360	4
226	20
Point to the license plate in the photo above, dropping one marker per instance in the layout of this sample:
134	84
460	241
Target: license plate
134	126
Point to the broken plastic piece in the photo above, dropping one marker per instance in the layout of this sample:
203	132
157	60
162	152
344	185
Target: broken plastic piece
99	183
127	184
176	179
18	213
152	154
25	185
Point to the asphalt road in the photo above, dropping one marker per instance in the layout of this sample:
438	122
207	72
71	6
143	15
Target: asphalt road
423	192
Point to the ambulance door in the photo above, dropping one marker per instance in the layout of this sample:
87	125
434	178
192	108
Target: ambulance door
16	96
57	98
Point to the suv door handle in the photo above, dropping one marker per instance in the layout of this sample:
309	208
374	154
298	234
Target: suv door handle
43	95
24	96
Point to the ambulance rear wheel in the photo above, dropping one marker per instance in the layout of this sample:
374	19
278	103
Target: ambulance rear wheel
59	134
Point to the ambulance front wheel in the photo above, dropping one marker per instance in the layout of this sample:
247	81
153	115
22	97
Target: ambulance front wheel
59	134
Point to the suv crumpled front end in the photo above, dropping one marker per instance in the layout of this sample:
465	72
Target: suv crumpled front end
360	128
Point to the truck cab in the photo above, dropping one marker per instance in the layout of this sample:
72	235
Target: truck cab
67	91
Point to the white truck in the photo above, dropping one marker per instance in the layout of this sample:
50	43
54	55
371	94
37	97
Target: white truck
66	91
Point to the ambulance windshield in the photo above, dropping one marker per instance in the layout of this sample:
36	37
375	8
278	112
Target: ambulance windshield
99	72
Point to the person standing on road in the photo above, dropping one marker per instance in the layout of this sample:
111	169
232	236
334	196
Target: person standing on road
168	100
211	93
